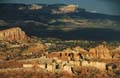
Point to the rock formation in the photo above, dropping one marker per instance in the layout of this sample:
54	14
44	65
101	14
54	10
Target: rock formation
69	8
13	35
100	51
35	7
116	52
31	7
99	65
66	9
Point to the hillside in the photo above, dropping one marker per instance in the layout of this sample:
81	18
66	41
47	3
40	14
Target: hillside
60	21
58	41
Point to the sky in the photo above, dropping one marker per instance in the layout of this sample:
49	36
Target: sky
111	7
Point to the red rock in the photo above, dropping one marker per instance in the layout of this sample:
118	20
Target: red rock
13	35
100	51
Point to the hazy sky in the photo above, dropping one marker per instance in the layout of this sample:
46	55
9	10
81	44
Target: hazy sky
101	6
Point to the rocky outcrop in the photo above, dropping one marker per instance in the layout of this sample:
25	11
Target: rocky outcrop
100	51
69	8
66	9
31	7
116	52
35	7
13	35
78	53
99	65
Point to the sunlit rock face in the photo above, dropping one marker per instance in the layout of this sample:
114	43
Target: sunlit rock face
100	51
13	35
69	8
66	9
31	7
35	7
78	53
116	52
99	65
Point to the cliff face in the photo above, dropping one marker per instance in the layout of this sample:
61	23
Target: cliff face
100	51
66	9
78	53
69	8
99	65
13	34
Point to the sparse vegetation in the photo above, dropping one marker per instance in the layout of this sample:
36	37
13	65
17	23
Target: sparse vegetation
64	41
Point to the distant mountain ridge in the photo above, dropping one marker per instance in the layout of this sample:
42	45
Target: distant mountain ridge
59	20
47	9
